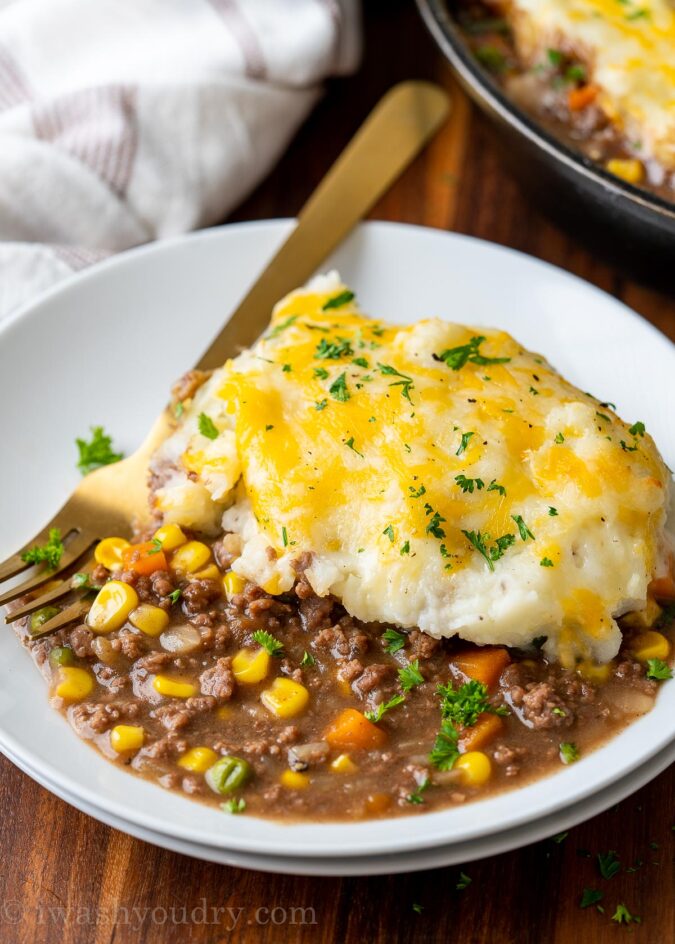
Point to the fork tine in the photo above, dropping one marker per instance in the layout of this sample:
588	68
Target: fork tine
63	588
69	615
74	549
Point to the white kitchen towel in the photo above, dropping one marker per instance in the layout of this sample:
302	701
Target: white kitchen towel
123	121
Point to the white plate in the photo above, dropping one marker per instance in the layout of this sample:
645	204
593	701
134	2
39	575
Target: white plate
105	347
454	854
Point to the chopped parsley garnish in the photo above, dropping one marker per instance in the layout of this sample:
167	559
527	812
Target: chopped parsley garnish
417	492
175	595
523	529
559	712
321	373
463	882
546	562
623	916
555	57
389	532
337	301
658	670
268	642
608	863
410	675
360	361
561	837
383	708
590	897
535	393
320	405
445	752
464	443
156	547
179	409
468	485
494	486
418	909
394	640
49	553
559	438
603	416
416	796
287	368
553	512
207	427
491	554
333	350
637	429
350	445
405	548
434	526
284	537
457	357
234	806
307	660
569	752
83	582
626	448
280	327
96	453
463	705
405	383
268	427
338	389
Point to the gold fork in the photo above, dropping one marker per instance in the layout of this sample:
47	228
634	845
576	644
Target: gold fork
113	500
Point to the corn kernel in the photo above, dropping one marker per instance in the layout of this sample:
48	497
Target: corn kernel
190	557
174	688
293	780
74	684
285	698
210	572
650	645
475	767
599	674
109	552
112	606
151	620
628	169
198	759
251	666
126	737
343	765
273	585
170	536
643	619
233	584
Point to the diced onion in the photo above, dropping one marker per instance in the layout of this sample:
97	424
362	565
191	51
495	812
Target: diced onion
180	639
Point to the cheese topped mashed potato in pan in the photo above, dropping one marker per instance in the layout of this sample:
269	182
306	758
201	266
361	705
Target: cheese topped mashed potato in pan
629	48
434	476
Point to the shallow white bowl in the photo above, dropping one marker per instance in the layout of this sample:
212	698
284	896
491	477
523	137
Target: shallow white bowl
105	347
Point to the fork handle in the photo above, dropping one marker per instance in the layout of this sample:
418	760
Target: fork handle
393	134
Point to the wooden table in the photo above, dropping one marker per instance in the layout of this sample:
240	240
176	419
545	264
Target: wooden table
65	878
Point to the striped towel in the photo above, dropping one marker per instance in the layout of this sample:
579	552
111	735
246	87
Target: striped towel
123	121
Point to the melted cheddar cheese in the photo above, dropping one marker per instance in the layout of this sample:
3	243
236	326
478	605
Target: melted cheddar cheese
429	475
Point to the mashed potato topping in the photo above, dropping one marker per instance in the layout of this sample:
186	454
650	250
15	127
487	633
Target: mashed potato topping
432	475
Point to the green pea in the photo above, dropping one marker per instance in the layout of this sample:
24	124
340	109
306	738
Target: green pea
62	655
228	774
40	617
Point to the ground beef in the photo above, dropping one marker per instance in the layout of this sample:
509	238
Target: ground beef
314	611
340	643
198	595
189	384
541	707
173	717
351	670
96	719
80	640
421	645
132	645
154	661
167	747
200	705
376	680
633	671
163	585
218	681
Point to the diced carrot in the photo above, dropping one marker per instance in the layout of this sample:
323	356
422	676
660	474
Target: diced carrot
377	803
663	589
484	664
353	731
486	728
144	558
579	98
